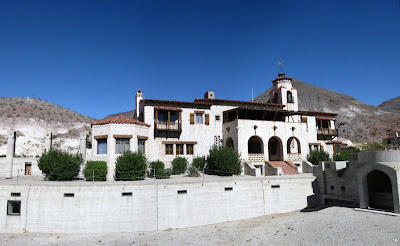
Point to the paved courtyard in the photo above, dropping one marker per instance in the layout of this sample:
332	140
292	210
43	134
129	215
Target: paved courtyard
327	226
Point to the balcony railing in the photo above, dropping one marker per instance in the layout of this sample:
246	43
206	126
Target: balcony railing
256	157
327	131
168	125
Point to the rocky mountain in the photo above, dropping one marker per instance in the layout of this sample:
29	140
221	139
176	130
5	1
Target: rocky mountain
129	114
392	105
33	118
356	121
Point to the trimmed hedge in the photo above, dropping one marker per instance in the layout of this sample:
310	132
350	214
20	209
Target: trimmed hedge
59	165
316	156
179	165
100	170
130	166
223	161
199	162
161	172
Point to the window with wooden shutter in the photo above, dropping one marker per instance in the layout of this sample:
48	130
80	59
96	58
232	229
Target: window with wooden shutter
207	119
192	118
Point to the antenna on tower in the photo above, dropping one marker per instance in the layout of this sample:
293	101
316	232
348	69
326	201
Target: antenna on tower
280	66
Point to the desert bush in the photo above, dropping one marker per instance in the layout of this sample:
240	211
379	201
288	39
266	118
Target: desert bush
199	162
100	170
223	161
316	156
160	171
60	165
179	165
373	146
193	171
344	155
130	166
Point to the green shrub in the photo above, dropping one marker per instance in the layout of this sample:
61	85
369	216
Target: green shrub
373	146
99	168
156	165
199	162
193	172
344	155
60	165
316	156
223	161
130	166
179	165
163	173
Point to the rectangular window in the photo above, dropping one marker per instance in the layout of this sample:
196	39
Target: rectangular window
189	149
13	207
141	146
121	145
179	149
199	118
169	149
102	146
217	118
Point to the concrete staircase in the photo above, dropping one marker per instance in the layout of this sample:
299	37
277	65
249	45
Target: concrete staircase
283	167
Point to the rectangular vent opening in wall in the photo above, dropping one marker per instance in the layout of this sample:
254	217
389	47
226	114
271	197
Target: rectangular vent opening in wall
69	195
182	191
13	207
275	186
16	194
228	188
126	193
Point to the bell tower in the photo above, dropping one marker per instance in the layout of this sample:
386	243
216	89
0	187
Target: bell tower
284	93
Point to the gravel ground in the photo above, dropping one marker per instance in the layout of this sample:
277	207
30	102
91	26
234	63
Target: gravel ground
327	226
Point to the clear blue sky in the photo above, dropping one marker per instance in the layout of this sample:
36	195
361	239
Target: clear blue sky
92	56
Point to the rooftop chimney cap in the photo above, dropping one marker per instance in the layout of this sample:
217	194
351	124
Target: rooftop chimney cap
281	75
209	95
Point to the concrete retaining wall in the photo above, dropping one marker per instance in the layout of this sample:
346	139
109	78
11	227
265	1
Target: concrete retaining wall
103	208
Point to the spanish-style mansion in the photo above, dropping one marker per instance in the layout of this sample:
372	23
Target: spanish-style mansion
273	138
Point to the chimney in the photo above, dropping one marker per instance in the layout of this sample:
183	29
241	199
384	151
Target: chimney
281	75
209	95
139	96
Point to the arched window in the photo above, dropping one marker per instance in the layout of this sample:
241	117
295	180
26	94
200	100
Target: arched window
255	145
289	97
229	143
293	146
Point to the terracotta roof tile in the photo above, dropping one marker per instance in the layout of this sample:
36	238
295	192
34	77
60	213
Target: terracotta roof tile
212	101
288	168
119	120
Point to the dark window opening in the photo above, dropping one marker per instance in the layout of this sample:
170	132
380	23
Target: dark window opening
13	207
275	186
69	195
126	193
16	194
182	191
228	188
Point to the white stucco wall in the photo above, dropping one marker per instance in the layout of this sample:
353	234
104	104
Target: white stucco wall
102	208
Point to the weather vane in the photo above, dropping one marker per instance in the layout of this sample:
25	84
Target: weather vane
280	66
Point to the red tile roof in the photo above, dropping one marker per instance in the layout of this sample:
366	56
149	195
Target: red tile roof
119	120
212	101
168	108
288	168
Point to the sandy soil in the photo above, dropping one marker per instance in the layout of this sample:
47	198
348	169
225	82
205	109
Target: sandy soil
328	226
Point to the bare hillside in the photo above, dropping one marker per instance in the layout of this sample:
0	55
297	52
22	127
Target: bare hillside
357	121
33	119
392	105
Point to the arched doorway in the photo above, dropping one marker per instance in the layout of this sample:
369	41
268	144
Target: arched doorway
229	143
255	145
275	149
380	190
293	146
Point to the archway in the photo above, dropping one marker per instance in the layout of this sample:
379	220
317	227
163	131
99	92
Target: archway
229	143
255	145
293	146
275	149
380	190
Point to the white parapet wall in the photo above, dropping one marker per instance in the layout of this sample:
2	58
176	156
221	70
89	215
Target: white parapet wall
120	207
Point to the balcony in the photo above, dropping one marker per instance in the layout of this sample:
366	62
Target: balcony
256	157
173	126
327	131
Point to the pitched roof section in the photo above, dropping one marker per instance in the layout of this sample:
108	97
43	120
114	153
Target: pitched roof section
119	120
315	113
